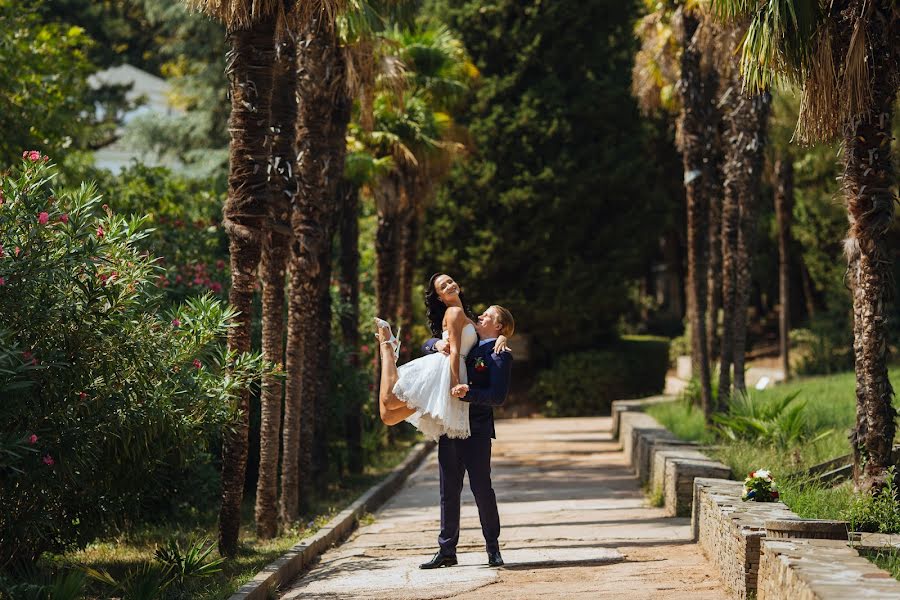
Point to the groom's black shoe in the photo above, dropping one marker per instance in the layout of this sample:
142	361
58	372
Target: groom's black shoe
494	559
439	561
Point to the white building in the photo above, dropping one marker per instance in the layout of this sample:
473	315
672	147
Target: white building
153	95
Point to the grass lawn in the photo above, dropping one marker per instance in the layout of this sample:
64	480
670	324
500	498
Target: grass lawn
830	405
135	547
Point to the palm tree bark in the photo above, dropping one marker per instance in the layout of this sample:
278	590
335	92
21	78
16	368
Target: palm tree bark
387	272
340	105
868	188
784	206
274	261
692	122
312	219
249	69
409	244
348	285
714	194
749	124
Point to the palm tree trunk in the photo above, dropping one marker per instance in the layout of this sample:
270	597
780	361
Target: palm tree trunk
348	283
274	261
714	193
387	272
409	243
340	105
249	69
310	263
750	124
868	187
692	122
784	207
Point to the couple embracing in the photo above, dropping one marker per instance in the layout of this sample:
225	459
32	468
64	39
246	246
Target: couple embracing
449	395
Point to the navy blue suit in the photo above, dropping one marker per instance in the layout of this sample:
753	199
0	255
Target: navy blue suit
488	376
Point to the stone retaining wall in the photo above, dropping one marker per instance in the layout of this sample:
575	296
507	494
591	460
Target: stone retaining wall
730	531
643	439
793	569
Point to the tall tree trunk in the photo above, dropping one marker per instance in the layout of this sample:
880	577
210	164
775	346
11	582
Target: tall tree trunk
341	106
387	257
249	69
692	122
714	194
808	294
310	266
868	188
282	187
409	244
748	138
784	208
348	282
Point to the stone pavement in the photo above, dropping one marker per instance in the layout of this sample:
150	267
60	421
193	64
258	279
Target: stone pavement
574	525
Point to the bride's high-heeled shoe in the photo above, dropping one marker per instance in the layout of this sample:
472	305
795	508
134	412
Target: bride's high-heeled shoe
394	341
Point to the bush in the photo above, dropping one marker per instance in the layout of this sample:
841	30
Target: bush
821	350
586	383
108	394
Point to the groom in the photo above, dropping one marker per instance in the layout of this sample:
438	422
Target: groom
488	375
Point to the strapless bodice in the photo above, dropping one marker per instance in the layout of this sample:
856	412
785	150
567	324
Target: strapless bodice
469	339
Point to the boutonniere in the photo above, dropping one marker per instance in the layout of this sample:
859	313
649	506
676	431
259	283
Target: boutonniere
479	365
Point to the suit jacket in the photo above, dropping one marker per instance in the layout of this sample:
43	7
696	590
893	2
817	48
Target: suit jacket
488	385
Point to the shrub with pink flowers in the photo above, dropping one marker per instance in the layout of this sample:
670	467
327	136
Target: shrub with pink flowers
184	227
102	398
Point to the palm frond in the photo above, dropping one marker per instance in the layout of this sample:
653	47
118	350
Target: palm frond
819	102
856	90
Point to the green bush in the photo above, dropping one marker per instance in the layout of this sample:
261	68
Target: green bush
586	383
821	350
108	392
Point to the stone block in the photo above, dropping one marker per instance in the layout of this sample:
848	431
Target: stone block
807	569
679	482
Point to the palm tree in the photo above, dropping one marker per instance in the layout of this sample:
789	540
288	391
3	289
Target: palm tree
250	28
844	56
672	74
282	188
784	206
696	106
321	75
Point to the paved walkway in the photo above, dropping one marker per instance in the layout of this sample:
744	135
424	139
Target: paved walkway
575	525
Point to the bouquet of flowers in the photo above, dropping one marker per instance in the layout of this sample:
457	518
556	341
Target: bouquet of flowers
760	487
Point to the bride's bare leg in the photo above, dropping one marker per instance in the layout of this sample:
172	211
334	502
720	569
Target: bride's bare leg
392	409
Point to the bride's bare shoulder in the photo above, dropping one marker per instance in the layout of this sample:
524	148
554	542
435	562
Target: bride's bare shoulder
454	312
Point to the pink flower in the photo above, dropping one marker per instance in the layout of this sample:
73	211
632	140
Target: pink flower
198	364
364	348
32	155
100	232
48	460
216	287
43	218
16	251
32	439
220	264
2	281
176	323
64	218
2	254
27	356
82	396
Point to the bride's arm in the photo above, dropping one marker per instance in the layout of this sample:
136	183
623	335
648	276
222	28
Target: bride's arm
456	320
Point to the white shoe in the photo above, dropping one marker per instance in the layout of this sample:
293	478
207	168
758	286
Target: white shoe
394	341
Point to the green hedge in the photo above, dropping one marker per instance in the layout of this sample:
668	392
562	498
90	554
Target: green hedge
586	383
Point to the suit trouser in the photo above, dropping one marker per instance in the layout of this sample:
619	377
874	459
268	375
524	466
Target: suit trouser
455	459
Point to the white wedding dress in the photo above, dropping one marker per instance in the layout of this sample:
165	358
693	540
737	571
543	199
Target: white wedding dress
424	385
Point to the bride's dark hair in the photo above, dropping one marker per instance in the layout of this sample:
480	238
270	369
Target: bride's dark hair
435	308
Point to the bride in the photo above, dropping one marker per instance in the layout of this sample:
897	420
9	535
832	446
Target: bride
426	391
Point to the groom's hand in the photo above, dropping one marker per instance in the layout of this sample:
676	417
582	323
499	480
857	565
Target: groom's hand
442	346
459	391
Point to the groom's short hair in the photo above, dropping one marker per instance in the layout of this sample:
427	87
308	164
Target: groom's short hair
505	318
